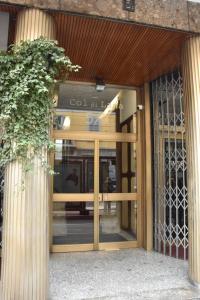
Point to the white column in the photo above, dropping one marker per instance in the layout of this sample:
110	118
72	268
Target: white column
191	77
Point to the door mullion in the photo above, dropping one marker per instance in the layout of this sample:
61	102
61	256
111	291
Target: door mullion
96	196
139	158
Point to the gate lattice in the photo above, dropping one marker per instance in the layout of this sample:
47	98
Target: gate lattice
170	185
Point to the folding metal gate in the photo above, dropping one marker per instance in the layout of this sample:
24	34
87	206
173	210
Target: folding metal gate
170	185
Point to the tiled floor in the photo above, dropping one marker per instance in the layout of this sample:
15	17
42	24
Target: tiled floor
125	274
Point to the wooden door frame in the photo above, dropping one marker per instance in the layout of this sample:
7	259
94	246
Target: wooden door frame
144	173
144	119
95	197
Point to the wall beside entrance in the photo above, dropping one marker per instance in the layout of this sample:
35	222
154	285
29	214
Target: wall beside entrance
170	168
179	14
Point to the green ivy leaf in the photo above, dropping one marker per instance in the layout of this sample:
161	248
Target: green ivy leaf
28	74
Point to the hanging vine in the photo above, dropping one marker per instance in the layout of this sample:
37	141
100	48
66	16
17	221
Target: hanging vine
28	75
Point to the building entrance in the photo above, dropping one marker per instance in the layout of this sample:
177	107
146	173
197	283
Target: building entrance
96	186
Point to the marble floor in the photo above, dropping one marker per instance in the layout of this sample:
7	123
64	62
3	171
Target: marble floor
121	275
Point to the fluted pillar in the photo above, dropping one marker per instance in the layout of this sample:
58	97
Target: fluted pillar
25	228
191	77
32	24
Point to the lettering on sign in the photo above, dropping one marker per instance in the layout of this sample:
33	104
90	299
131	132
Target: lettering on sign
84	104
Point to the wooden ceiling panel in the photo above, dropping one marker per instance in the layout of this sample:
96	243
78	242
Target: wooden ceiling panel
120	53
12	9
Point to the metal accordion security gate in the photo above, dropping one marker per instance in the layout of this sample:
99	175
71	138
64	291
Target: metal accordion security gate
170	185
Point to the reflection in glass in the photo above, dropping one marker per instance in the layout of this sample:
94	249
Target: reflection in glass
107	167
84	121
73	223
117	167
108	182
118	221
81	106
74	167
133	163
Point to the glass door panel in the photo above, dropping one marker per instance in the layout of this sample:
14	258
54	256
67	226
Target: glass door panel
118	221
73	194
74	167
73	223
118	192
94	195
117	168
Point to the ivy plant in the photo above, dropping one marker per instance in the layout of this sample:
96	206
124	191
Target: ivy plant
29	73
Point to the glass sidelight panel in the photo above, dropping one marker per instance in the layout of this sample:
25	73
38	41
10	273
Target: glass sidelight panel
73	223
74	166
117	221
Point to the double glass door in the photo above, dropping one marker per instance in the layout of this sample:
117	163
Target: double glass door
95	191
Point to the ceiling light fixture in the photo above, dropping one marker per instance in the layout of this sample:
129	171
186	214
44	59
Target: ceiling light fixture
100	84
